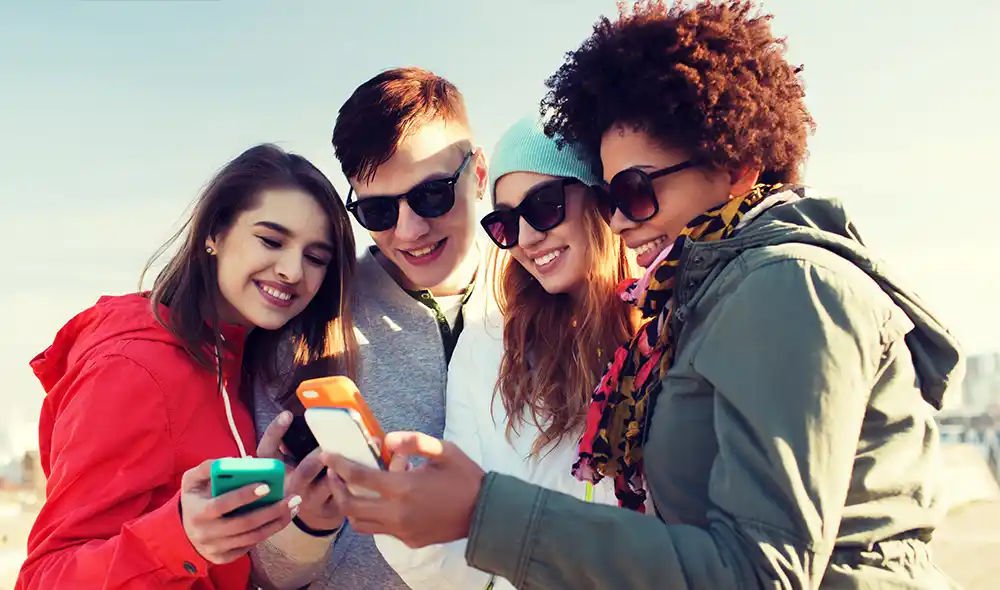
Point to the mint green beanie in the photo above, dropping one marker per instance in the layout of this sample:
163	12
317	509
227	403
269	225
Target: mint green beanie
524	147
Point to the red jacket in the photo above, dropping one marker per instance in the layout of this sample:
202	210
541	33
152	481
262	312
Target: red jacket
127	412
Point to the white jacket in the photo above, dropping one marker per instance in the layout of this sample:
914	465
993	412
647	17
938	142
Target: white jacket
476	422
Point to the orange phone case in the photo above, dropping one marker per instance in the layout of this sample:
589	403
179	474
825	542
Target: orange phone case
341	392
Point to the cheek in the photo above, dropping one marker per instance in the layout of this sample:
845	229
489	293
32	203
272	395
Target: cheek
573	231
231	273
518	254
382	239
581	258
314	276
678	205
457	224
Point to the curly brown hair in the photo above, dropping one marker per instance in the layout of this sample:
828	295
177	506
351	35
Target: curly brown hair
710	79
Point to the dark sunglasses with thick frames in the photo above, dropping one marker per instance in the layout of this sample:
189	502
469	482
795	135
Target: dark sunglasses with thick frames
631	191
543	207
429	199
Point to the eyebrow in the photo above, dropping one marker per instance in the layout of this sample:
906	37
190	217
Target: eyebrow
277	227
437	175
430	177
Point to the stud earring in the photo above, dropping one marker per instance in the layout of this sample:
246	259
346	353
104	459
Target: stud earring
210	250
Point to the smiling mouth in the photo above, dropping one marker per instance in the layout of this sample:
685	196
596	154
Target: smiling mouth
276	296
425	251
276	293
548	258
649	246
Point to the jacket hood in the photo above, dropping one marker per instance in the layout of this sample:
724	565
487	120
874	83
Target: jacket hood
795	214
125	317
114	318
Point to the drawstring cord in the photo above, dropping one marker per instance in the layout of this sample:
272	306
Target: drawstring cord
229	405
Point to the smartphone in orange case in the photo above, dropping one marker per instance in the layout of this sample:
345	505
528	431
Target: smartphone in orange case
342	393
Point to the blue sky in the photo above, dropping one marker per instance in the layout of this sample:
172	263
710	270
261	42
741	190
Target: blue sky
116	112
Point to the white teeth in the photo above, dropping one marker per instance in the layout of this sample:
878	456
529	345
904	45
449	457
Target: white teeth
640	250
543	260
276	293
421	252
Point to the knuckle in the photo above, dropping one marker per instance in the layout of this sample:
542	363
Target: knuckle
208	513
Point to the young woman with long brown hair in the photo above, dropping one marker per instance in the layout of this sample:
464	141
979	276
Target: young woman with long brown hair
142	390
557	322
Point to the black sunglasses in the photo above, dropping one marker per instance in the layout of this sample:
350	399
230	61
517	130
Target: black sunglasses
543	207
631	190
429	199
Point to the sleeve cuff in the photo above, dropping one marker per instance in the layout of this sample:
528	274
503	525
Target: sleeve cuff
507	513
162	531
301	547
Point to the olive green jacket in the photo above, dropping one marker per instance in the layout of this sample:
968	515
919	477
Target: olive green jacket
794	443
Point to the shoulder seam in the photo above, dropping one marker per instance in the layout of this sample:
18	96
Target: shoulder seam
882	320
159	386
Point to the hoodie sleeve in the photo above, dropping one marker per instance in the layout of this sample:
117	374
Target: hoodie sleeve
787	440
443	567
112	459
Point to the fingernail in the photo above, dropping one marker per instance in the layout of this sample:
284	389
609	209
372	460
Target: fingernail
262	490
294	502
285	418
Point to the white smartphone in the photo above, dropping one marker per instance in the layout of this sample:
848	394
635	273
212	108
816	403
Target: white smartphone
342	431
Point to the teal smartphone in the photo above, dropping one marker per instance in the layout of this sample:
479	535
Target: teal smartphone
231	473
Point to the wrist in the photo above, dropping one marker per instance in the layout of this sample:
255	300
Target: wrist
474	508
315	531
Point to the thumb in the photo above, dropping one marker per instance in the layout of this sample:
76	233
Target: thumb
270	441
415	444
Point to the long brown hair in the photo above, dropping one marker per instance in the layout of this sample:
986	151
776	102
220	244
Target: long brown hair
187	287
555	347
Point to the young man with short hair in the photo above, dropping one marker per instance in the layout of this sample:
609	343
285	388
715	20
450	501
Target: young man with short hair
405	145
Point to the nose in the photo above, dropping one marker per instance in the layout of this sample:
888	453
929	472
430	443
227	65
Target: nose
620	223
410	227
289	266
527	235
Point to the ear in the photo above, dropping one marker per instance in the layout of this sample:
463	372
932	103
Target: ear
482	174
743	181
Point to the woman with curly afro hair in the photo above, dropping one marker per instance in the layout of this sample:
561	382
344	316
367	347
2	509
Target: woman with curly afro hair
778	403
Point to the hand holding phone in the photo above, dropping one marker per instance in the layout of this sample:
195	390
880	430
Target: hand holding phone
231	473
220	524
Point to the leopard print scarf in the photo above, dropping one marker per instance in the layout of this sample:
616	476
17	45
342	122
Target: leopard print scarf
611	445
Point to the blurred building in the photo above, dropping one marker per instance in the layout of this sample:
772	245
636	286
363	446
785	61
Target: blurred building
981	386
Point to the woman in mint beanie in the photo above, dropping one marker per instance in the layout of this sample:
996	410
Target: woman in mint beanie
519	384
